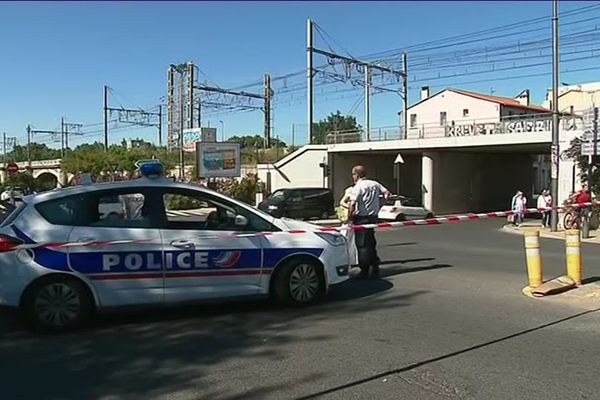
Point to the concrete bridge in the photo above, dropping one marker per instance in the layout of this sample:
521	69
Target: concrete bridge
44	170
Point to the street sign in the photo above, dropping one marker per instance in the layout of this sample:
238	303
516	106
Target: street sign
12	168
587	148
139	163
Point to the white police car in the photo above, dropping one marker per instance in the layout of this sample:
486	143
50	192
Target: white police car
175	242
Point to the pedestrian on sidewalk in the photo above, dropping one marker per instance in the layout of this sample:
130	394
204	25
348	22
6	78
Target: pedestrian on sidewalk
582	197
364	208
544	201
519	203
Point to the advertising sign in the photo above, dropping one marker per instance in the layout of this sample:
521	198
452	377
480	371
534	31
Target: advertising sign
218	160
195	135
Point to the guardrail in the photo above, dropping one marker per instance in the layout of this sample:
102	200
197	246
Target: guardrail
464	127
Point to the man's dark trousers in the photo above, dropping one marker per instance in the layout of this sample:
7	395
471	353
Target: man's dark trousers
366	244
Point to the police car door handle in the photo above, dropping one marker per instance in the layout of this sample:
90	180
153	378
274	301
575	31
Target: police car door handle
182	244
86	239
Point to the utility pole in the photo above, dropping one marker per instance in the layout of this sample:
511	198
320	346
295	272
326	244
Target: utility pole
190	74
62	137
29	146
4	149
368	102
267	97
405	94
555	140
347	62
160	125
67	128
181	126
309	78
170	100
293	126
105	118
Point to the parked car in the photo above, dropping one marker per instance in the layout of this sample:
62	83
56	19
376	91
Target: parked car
299	203
401	208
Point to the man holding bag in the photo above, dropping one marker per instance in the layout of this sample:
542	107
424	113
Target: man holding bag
346	228
364	207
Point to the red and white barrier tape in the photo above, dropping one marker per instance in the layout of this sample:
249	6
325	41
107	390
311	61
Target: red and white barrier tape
381	225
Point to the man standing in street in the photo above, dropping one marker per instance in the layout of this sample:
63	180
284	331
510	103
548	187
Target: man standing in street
365	202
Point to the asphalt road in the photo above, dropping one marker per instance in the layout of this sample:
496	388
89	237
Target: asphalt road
446	321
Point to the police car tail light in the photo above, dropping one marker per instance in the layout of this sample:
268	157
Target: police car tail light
8	243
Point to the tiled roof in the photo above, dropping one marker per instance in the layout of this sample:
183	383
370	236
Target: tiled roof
505	101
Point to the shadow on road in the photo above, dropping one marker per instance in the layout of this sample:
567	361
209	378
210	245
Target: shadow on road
155	353
391	262
399	244
385	272
443	357
591	279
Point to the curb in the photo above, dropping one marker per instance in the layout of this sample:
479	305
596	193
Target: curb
547	235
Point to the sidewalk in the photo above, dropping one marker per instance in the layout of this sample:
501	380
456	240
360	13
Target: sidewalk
535	225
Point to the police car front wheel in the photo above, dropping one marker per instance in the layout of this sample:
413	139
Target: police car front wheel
57	304
300	282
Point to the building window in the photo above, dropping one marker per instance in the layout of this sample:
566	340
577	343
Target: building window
465	112
413	120
442	118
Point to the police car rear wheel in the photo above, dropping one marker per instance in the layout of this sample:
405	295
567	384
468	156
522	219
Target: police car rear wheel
299	283
58	304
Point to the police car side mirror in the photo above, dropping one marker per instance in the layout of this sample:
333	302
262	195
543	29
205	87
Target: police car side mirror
240	220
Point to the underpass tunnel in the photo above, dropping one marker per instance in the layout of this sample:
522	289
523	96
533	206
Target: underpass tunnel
401	178
46	181
451	181
458	182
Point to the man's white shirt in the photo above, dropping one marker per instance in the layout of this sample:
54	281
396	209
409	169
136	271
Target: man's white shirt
366	193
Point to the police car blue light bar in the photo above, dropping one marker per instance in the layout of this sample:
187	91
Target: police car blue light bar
151	168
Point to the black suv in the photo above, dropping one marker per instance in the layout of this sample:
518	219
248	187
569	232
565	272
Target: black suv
299	203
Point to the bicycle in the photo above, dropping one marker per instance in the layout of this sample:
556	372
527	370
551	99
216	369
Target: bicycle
572	219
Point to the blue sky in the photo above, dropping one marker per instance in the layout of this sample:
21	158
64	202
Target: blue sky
57	56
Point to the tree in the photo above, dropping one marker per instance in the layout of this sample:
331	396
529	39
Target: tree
23	180
245	190
249	141
93	159
587	172
39	151
333	122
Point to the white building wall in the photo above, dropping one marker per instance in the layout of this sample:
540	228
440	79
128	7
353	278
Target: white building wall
428	113
299	169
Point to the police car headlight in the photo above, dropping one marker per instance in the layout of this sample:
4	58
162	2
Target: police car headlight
332	238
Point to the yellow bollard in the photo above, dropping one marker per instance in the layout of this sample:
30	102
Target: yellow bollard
534	258
573	255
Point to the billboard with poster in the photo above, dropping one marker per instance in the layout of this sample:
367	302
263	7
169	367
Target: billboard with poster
195	135
218	160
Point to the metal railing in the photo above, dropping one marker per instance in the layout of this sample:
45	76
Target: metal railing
464	127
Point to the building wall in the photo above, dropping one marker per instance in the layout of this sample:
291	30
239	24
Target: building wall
514	111
428	113
452	181
300	168
581	97
378	166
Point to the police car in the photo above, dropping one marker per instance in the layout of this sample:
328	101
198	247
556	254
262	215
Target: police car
173	242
